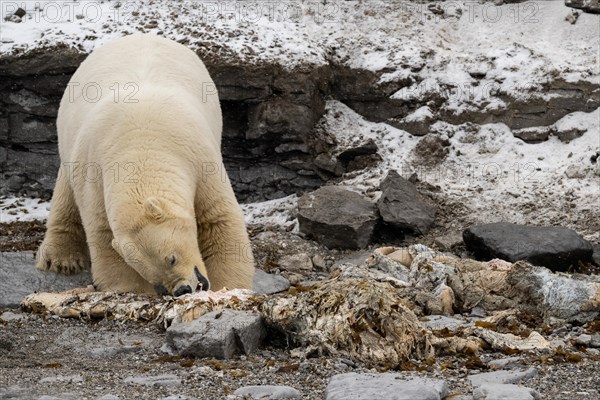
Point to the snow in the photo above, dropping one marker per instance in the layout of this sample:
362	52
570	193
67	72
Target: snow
474	56
23	209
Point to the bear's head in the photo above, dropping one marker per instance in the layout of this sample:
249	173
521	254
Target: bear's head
162	246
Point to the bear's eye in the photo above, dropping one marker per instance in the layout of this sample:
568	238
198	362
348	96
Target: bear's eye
172	260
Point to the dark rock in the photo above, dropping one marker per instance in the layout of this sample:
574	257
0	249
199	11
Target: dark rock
401	206
19	278
20	12
27	129
596	255
589	6
556	248
219	334
337	217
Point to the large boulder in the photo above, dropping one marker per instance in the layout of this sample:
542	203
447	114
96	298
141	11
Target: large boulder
402	206
19	278
556	248
219	334
337	217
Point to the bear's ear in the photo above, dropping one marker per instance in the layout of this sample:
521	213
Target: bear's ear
153	208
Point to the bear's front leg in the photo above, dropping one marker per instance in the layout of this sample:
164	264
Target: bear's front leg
110	272
64	249
225	247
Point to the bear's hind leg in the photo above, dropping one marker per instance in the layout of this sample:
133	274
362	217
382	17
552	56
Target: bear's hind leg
64	249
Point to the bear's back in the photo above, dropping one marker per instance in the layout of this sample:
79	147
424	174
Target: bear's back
120	75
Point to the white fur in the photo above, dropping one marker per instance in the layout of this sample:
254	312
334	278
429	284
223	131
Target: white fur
162	191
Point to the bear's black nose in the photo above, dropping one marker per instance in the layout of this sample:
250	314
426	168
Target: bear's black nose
202	281
181	290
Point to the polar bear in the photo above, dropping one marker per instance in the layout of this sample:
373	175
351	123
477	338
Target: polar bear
141	192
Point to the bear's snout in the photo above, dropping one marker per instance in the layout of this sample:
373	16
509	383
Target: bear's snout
202	281
181	290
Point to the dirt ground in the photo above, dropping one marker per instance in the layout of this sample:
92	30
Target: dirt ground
95	358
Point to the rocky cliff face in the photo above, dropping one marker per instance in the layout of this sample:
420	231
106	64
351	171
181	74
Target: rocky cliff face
272	146
410	65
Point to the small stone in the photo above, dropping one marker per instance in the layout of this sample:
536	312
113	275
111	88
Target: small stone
319	261
595	342
219	334
503	363
268	392
438	322
8	316
108	397
502	376
337	217
449	241
158	380
533	134
297	263
20	12
478	312
62	379
575	172
496	391
401	206
265	283
353	386
583	340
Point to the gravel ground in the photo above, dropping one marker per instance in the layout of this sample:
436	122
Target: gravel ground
98	356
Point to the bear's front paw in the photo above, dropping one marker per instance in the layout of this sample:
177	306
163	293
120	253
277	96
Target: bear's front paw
63	258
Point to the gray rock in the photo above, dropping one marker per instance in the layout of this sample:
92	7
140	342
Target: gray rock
503	363
108	397
449	241
19	278
8	316
583	340
401	206
337	217
502	376
497	391
556	248
62	379
386	386
533	134
589	6
437	322
298	263
595	342
219	334
158	380
268	392
265	283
